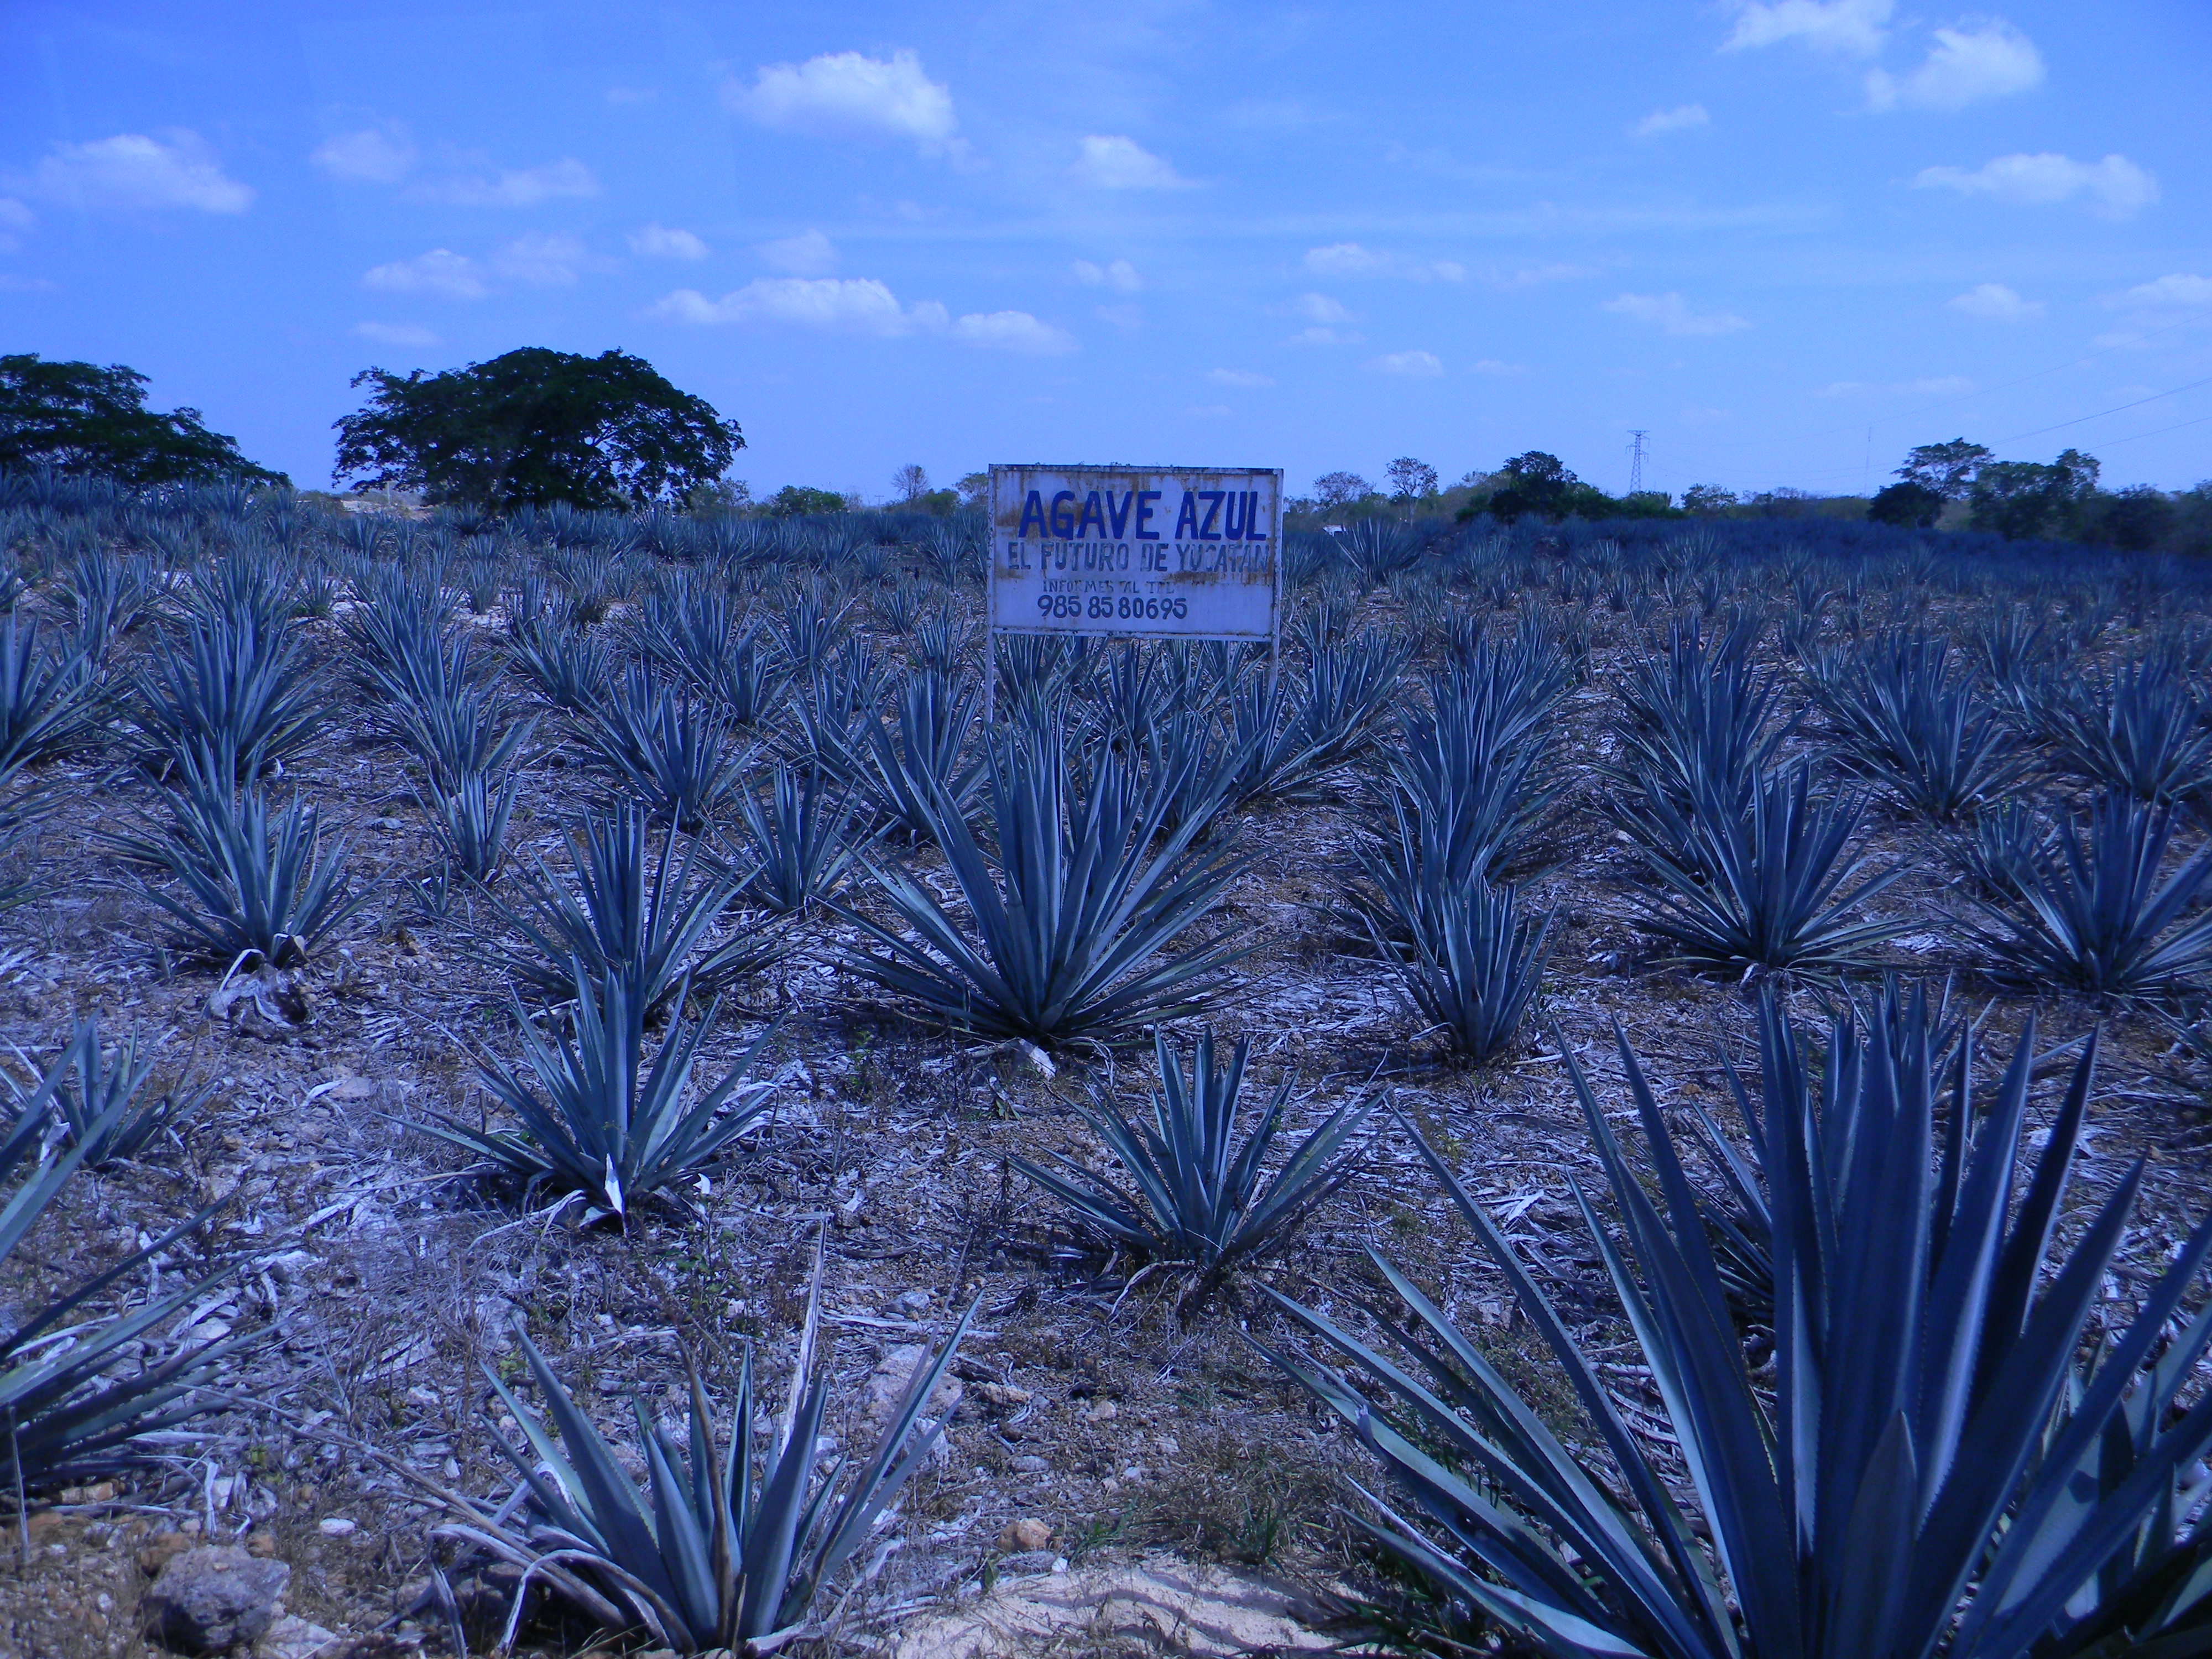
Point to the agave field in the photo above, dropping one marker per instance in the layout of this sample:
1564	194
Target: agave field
1644	1091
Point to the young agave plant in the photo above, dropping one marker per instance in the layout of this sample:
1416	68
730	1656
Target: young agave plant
1907	720
1085	894
595	1119
1196	1194
904	771
633	915
1765	883
235	690
2142	728
46	703
800	841
76	1389
1471	959
1969	1486
248	883
673	752
727	1553
470	820
2088	908
92	1097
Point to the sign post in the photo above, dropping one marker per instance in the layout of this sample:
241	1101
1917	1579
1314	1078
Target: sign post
1134	552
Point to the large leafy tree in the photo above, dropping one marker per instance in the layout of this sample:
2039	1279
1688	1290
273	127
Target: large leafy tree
536	426
2019	498
81	418
1946	469
1539	484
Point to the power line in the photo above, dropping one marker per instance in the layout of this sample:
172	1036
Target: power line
2157	432
2062	425
1636	459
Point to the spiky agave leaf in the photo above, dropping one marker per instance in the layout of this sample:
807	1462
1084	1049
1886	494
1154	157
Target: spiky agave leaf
1195	1193
595	1118
728	1547
1885	1480
1084	894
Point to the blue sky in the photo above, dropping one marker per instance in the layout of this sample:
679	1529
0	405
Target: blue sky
1789	239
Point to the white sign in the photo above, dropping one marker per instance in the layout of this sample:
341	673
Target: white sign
1179	552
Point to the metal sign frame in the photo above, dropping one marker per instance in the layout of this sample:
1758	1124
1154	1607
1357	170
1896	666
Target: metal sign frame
1102	628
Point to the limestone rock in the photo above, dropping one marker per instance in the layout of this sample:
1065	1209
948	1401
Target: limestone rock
1206	1613
895	1376
293	1637
214	1598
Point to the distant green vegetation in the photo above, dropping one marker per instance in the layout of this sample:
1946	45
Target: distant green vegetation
1958	485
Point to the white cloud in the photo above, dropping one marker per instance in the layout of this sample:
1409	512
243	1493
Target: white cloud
2177	300
1672	312
375	155
15	219
2175	291
1326	337
1244	379
1996	303
545	261
132	170
1417	365
1013	330
853	303
1121	163
1682	119
514	187
664	242
440	271
1351	259
861	305
1968	64
1320	309
408	336
1120	276
1127	318
1857	27
1492	366
11	283
1535	276
810	253
624	97
848	92
1343	259
2116	184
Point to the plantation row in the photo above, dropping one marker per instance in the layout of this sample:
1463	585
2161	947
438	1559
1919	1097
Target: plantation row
777	729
